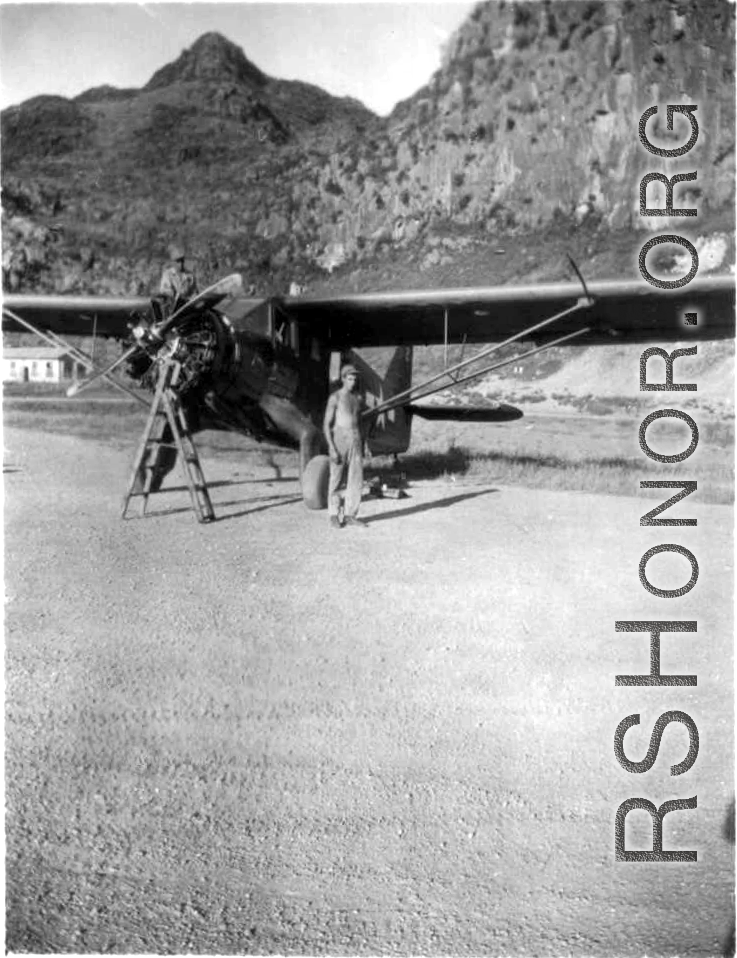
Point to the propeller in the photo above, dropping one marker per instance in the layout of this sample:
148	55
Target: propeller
150	339
100	373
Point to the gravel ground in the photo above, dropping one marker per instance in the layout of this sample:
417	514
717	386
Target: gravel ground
266	736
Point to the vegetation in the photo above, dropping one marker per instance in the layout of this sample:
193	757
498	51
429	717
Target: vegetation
586	454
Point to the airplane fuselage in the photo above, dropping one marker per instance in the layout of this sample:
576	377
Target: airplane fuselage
258	374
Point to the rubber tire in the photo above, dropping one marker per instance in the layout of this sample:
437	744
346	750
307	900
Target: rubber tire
315	481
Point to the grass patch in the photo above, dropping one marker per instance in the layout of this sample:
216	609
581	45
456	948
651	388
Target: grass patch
608	475
582	453
120	424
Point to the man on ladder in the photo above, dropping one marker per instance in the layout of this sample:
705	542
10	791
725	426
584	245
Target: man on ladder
178	284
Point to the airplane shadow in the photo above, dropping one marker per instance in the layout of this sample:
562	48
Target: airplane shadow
426	465
427	506
272	502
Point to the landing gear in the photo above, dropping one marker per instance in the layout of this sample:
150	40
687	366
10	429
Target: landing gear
315	479
314	469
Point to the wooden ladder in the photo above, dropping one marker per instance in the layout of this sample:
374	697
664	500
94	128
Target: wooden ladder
166	409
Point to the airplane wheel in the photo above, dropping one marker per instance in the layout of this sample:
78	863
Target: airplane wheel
315	479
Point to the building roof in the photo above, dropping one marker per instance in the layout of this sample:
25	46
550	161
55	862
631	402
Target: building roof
34	352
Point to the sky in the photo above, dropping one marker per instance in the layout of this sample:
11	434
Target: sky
379	53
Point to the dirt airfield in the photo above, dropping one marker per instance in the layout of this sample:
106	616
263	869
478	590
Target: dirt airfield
265	736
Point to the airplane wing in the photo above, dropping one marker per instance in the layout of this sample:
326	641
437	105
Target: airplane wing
105	315
73	315
609	312
628	311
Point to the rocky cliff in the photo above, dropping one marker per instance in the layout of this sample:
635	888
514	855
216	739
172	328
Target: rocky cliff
527	133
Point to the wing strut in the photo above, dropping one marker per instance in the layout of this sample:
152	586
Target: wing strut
409	394
105	374
445	336
489	369
446	343
76	354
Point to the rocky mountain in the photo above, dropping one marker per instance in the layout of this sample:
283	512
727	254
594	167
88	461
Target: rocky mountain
523	143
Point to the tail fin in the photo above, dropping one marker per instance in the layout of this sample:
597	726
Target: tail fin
383	374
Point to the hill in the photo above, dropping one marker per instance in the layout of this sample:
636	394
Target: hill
521	148
525	139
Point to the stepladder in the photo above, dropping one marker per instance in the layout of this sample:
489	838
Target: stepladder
166	437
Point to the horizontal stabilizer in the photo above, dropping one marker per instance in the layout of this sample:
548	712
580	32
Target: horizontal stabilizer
498	412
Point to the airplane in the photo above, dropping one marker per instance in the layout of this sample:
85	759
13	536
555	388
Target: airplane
263	367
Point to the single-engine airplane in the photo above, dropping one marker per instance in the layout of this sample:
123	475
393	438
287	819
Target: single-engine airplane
262	367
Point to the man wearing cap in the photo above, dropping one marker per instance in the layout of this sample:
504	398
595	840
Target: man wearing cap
177	282
344	434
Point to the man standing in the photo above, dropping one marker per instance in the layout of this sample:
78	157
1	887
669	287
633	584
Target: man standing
344	434
178	284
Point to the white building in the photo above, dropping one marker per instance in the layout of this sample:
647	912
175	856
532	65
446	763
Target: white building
39	364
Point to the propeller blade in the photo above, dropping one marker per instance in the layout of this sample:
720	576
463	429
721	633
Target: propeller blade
229	286
226	288
85	383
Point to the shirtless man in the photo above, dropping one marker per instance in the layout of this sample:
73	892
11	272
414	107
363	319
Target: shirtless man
344	435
